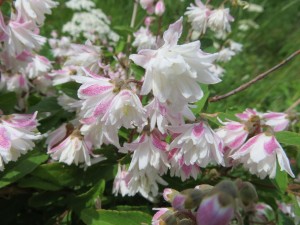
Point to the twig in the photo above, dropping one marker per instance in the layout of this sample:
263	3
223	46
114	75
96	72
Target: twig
257	78
294	105
132	22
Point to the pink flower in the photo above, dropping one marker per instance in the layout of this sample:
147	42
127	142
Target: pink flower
198	144
278	121
17	133
233	134
148	150
248	114
38	67
67	145
159	215
260	154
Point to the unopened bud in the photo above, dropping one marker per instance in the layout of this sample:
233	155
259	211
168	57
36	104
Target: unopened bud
264	214
193	198
169	194
248	193
159	8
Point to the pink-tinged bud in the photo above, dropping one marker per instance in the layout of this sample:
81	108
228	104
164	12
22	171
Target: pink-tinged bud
264	214
146	3
169	194
148	21
187	199
217	209
178	202
159	8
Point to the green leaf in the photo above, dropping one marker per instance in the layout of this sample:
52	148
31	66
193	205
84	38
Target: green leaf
35	182
87	199
8	102
201	103
111	217
281	180
284	219
23	166
46	198
120	46
138	71
69	89
288	138
123	29
46	105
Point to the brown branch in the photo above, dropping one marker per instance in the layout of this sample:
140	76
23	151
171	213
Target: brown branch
294	105
257	78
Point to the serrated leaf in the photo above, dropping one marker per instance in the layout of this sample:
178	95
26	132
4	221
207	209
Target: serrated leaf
23	166
8	102
288	138
111	217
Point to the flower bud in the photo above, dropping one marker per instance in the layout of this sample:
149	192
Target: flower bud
169	194
193	198
146	3
159	8
263	214
217	209
248	194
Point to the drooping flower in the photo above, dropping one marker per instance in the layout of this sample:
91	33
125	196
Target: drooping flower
278	121
198	144
173	71
198	15
148	151
68	145
121	182
219	20
17	133
260	154
35	10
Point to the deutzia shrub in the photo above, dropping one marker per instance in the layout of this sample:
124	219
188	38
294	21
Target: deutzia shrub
102	123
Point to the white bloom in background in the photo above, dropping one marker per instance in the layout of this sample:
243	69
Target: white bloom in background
15	64
93	25
217	70
87	56
173	71
260	154
61	47
17	83
225	55
198	144
146	3
145	182
21	36
69	104
17	133
121	182
35	10
38	67
245	25
198	15
70	146
125	110
63	75
278	121
219	20
80	4
251	7
144	39
148	151
235	46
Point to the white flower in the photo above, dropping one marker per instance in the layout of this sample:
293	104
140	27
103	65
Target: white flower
63	75
225	55
21	35
17	133
35	10
278	121
125	110
69	104
87	56
260	154
121	182
144	39
219	20
173	71
198	144
148	151
68	145
61	47
145	182
80	4
198	15
39	66
235	46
